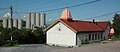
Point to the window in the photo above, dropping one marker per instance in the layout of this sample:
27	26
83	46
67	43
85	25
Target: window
59	29
98	36
89	36
95	36
101	35
92	36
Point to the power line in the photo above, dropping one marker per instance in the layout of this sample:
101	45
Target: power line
3	8
67	7
84	3
102	15
71	6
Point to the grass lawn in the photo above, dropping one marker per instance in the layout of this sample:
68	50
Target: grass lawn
115	39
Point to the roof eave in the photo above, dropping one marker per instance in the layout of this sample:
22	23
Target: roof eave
55	22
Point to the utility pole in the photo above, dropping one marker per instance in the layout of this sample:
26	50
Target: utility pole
11	11
11	18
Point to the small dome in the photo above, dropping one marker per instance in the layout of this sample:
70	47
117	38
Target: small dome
66	14
112	31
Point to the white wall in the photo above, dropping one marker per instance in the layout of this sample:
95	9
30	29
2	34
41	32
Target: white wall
83	36
62	37
106	32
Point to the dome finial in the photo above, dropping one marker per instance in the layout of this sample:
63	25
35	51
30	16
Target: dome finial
66	14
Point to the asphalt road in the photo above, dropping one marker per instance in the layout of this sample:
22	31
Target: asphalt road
107	47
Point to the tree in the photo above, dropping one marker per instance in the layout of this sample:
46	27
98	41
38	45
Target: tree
1	28
22	36
39	34
116	24
5	34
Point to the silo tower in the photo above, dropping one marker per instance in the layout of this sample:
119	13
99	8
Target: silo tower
28	20
5	22
15	23
10	23
20	21
37	19
42	20
33	20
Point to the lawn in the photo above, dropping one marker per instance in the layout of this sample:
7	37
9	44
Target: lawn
115	39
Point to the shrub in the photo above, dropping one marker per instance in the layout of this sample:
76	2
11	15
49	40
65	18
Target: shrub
10	43
85	41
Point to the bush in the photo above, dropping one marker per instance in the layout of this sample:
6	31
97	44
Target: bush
2	43
6	45
85	41
116	39
96	41
10	43
22	36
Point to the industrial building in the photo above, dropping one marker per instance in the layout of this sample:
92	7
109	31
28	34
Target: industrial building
32	20
35	20
12	22
9	22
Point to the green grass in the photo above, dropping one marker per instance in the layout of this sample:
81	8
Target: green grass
96	41
115	39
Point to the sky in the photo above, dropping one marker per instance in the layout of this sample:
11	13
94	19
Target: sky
83	12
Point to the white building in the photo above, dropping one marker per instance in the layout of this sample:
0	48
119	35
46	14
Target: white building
68	32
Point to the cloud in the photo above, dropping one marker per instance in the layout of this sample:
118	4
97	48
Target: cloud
7	15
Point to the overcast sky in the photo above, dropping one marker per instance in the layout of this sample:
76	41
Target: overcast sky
80	12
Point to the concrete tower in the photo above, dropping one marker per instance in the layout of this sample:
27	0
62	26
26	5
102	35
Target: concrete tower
5	22
33	20
20	24
10	23
38	19
42	20
15	23
28	21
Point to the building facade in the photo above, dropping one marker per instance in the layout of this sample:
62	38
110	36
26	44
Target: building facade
12	22
68	32
35	20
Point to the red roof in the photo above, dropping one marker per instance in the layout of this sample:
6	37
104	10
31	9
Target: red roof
78	25
86	26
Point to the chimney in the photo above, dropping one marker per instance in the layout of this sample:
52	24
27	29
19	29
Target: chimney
93	20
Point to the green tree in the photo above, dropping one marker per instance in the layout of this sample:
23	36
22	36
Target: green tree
5	34
1	28
39	34
116	24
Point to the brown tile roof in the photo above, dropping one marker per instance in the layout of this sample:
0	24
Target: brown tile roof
86	26
82	26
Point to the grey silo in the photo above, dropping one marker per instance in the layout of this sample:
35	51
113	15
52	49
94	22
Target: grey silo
42	19
33	20
15	23
10	23
37	19
28	20
5	22
20	21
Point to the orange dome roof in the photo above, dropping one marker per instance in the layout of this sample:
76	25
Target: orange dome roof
112	31
66	14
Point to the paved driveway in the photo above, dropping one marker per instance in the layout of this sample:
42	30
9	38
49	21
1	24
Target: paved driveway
107	47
